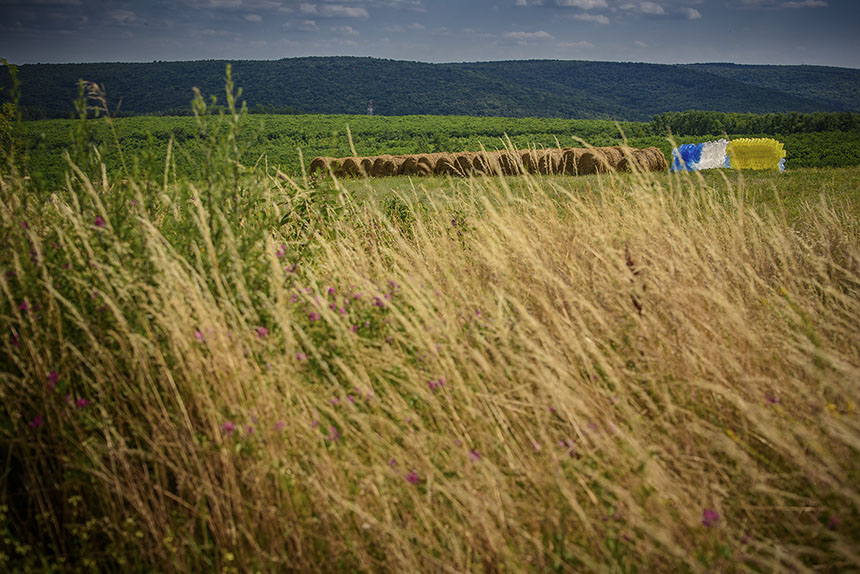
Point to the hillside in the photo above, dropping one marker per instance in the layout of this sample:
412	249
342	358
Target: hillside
538	88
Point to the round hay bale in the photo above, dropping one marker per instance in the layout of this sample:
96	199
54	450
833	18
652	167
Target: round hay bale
378	165
349	167
481	163
446	165
409	165
319	164
509	163
612	155
463	164
590	162
365	164
570	160
548	161
658	160
529	160
426	164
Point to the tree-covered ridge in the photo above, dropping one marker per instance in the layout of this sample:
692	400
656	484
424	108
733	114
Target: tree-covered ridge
537	88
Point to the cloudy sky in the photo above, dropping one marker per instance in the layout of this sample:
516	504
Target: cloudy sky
666	31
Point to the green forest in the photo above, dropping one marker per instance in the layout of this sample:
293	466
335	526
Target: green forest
537	88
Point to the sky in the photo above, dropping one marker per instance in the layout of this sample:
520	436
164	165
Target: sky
821	32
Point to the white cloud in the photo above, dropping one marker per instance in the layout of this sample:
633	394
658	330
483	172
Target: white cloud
416	26
539	35
253	18
640	44
122	17
333	10
583	4
651	8
344	30
580	44
596	18
806	4
691	14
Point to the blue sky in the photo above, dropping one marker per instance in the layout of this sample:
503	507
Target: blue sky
820	32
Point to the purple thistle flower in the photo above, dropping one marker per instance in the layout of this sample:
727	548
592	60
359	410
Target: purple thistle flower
474	456
393	462
24	225
53	379
354	328
282	250
37	422
81	403
301	357
333	434
313	316
291	268
24	306
199	336
99	221
350	398
249	429
710	517
315	423
412	478
334	401
228	427
280	425
262	332
771	399
15	340
330	291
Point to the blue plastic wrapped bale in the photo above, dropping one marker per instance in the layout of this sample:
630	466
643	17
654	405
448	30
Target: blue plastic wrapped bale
781	165
687	157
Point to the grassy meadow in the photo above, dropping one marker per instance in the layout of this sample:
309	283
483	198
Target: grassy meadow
248	371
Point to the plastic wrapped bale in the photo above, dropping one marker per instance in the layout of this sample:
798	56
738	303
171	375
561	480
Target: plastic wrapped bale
756	153
714	154
687	157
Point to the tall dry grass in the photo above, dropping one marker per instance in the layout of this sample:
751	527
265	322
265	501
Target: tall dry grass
496	374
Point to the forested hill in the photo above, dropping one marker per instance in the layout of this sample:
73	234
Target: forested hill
536	88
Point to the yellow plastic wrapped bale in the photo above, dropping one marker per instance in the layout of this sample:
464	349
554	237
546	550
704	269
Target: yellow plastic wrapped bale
755	153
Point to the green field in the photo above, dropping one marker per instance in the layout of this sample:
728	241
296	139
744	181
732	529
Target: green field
276	140
208	365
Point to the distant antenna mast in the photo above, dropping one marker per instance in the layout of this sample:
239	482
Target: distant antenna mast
370	107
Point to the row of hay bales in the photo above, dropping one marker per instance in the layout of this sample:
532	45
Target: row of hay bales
567	161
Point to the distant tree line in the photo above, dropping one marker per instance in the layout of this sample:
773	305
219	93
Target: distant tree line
699	123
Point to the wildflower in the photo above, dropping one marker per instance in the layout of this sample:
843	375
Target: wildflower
412	478
356	295
199	336
301	357
330	291
37	422
474	456
333	434
354	328
24	306
249	429
313	316
291	268
262	332
393	462
228	427
334	401
81	403
342	311
350	398
536	446
99	221
280	425
24	225
53	379
833	523
15	340
282	250
771	399
710	517
378	302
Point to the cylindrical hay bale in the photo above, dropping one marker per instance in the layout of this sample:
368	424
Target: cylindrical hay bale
426	164
612	155
635	160
548	161
509	163
409	166
319	164
463	164
529	160
446	165
365	164
481	163
349	167
590	162
378	169
570	160
658	160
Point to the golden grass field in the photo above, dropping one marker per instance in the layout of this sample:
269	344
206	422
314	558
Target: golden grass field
253	373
